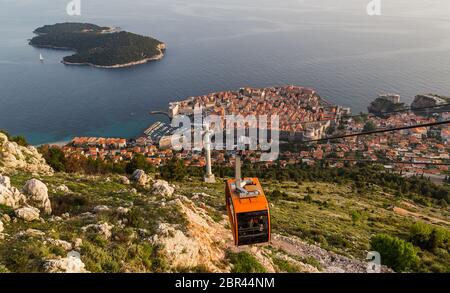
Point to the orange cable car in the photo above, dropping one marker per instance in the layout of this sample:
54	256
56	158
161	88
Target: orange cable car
248	209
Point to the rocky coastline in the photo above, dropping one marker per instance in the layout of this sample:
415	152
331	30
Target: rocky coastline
161	48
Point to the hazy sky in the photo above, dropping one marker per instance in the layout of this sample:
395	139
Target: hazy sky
400	8
416	8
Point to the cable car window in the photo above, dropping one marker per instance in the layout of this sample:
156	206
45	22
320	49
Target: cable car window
253	227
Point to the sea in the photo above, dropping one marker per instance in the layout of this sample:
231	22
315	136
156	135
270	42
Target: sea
334	46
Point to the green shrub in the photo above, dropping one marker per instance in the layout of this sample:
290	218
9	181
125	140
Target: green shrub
320	239
428	237
395	253
139	162
69	204
3	269
369	126
57	250
4	209
438	268
443	203
159	261
25	255
277	194
135	218
285	266
173	170
97	259
356	216
420	234
312	261
337	240
124	235
20	140
143	253
438	238
422	200
308	198
243	262
116	257
54	156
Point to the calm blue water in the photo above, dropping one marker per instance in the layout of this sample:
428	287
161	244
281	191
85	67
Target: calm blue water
330	45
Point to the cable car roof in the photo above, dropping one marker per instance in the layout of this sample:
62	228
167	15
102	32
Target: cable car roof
253	203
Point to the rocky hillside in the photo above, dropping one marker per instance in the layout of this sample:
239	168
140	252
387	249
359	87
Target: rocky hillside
67	223
14	158
381	105
423	101
82	223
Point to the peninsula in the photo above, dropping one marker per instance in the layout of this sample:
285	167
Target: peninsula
102	47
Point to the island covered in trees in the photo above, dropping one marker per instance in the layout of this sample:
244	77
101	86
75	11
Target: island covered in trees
98	46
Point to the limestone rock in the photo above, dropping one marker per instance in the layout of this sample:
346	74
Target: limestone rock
1	227
61	243
204	243
86	215
6	218
124	180
140	177
78	243
103	229
37	195
31	233
181	250
55	219
9	195
122	211
142	232
162	187
199	195
101	209
14	157
422	101
5	181
63	188
27	213
70	264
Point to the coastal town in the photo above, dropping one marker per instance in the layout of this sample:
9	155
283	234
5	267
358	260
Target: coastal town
302	112
304	116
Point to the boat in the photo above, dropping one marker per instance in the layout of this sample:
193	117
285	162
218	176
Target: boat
41	58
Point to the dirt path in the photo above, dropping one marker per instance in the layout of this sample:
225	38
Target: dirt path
406	213
331	262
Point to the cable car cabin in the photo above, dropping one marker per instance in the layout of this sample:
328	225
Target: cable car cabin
248	211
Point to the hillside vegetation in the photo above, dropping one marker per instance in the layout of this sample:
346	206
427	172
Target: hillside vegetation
317	220
91	216
70	27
